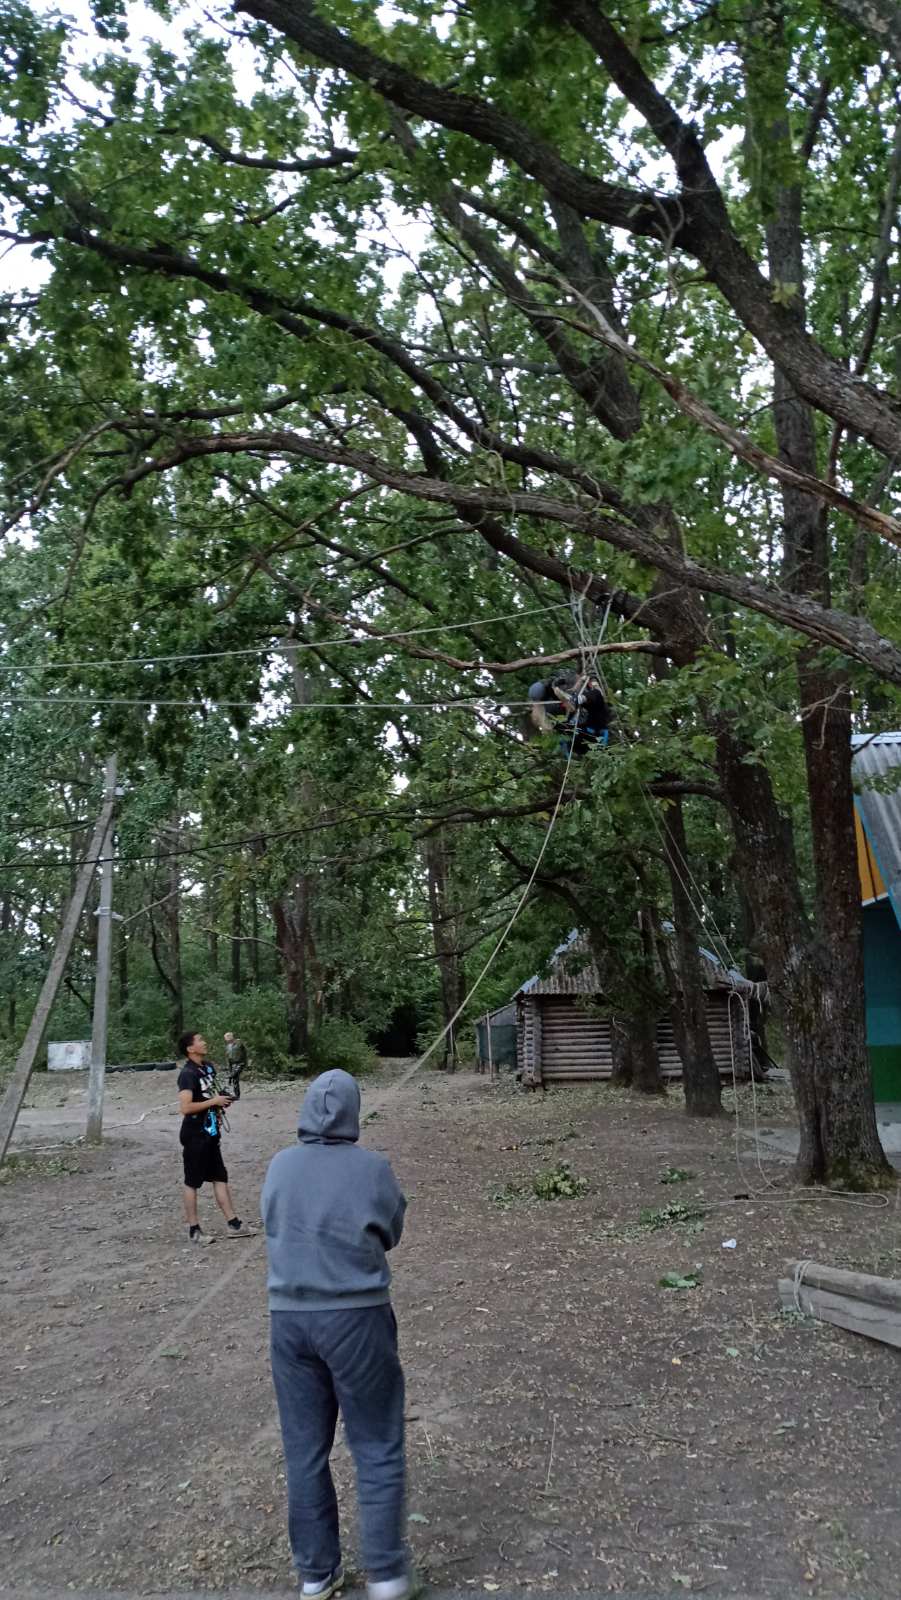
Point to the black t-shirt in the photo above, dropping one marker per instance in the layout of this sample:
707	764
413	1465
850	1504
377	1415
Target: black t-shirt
201	1080
595	711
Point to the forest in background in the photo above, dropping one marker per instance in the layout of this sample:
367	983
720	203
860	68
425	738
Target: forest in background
363	363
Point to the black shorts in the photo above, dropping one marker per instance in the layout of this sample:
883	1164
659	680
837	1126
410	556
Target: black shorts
203	1163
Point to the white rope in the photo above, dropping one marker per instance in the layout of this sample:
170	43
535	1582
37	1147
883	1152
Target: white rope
798	1279
594	650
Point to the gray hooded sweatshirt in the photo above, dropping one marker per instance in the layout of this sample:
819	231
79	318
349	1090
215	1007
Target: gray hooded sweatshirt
331	1209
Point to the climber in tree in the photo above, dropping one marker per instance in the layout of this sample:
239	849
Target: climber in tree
572	705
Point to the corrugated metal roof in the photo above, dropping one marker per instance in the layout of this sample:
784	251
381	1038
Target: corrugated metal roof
572	971
879	756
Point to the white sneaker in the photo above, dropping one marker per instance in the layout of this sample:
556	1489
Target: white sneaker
405	1588
201	1238
325	1587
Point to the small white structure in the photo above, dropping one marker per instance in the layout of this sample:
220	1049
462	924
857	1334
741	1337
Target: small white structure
75	1056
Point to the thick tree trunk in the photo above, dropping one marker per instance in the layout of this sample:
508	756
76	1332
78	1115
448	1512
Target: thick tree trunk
643	1014
621	1052
255	931
700	1074
631	981
445	937
212	912
169	973
646	1075
839	1142
172	911
832	1079
289	913
236	978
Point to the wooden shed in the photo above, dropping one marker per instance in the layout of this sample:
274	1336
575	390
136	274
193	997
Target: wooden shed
562	1036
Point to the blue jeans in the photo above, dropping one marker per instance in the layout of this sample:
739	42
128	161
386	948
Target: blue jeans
323	1361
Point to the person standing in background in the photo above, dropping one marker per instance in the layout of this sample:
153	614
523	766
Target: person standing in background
236	1056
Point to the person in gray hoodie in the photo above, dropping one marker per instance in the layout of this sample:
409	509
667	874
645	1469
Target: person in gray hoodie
331	1211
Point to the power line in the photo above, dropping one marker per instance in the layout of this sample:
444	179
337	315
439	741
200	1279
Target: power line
155	856
265	836
478	703
287	644
38	828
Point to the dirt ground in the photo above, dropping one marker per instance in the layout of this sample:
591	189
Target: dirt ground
572	1424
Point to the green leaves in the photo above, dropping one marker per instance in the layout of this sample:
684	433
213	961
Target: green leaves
32	56
559	1183
675	1215
194	283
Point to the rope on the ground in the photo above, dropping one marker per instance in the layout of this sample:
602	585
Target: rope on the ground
800	1270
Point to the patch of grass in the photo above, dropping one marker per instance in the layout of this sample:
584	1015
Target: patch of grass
32	1166
675	1215
554	1183
677	1175
680	1280
787	1317
559	1183
847	1557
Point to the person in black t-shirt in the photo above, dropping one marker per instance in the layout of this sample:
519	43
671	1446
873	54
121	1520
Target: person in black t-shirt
201	1133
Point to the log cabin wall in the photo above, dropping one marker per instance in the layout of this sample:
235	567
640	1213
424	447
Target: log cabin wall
561	1039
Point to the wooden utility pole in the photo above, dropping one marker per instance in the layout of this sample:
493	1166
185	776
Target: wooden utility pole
11	1103
104	913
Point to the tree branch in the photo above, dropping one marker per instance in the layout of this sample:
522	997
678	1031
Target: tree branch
496	668
338	158
741	445
852	636
695	221
881	19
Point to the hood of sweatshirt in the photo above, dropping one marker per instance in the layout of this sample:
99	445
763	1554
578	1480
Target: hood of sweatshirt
330	1113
